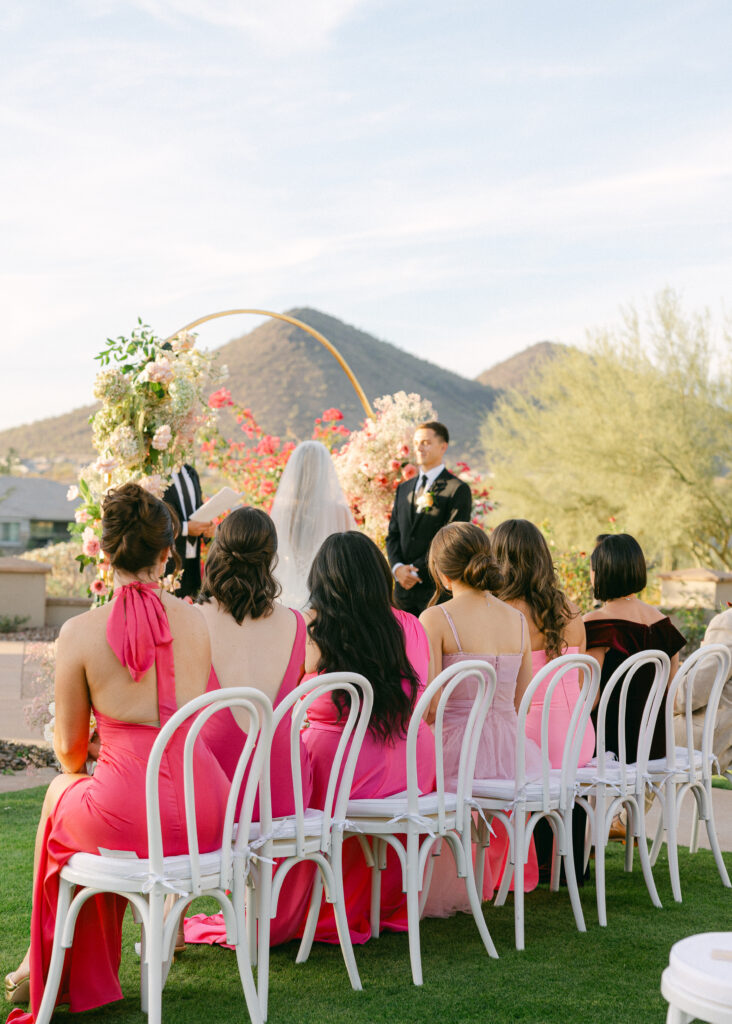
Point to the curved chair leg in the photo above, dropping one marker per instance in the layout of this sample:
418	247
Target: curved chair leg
571	875
658	838
252	998
475	902
339	906
379	865
694	839
600	842
311	923
556	859
262	906
53	978
415	956
509	870
480	850
154	954
672	840
645	861
519	836
713	841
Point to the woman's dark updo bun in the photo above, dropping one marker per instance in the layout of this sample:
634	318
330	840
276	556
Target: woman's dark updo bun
461	551
240	563
136	528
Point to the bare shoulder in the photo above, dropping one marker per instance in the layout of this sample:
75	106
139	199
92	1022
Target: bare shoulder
432	618
596	613
184	617
574	633
79	628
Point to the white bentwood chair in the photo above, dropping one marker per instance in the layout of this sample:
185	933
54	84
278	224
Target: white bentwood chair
440	815
611	782
309	834
685	769
146	882
520	802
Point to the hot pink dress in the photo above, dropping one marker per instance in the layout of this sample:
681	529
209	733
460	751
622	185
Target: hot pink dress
381	770
496	760
108	811
565	696
226	739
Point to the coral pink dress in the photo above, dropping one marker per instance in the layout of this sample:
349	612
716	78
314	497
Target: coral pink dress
226	739
565	696
108	811
496	760
381	770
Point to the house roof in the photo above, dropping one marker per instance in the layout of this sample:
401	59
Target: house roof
35	498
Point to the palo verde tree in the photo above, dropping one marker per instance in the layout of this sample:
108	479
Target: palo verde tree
636	429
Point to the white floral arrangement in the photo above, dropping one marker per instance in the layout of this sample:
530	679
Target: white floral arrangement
154	400
377	458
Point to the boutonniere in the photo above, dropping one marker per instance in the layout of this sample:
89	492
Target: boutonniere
425	500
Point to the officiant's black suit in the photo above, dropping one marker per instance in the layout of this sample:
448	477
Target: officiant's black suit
190	582
411	532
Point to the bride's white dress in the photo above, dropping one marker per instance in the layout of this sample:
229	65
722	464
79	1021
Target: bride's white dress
308	507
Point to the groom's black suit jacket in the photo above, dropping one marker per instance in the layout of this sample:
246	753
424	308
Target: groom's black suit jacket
190	581
411	532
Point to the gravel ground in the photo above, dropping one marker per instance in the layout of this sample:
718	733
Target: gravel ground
38	635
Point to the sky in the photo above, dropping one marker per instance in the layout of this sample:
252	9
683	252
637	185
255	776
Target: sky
461	179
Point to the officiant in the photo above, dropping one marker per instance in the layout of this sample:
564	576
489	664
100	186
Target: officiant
184	497
422	506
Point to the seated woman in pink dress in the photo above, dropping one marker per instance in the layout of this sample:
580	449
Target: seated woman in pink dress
555	627
474	624
255	641
132	662
354	627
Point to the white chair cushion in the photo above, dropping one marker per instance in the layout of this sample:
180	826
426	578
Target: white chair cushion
692	966
133	871
396	805
284	828
505	789
610	773
658	766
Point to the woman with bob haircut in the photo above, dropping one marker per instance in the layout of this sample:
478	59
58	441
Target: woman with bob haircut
475	624
133	661
623	626
257	642
354	627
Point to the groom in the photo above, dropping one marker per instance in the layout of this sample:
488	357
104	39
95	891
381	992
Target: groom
422	506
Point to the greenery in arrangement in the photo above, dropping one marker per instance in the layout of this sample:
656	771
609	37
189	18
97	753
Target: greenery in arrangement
563	976
12	623
637	428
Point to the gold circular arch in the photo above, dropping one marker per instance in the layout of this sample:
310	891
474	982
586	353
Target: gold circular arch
297	323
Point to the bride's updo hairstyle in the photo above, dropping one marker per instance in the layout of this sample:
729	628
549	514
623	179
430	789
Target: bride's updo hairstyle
462	551
240	563
136	527
528	571
356	630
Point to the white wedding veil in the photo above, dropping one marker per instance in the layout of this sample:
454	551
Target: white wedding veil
309	505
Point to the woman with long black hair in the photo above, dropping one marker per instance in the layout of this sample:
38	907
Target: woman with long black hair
354	627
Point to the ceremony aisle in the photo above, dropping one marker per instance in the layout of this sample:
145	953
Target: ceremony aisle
563	977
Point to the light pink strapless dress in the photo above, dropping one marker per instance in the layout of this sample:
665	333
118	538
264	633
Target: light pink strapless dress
564	698
496	760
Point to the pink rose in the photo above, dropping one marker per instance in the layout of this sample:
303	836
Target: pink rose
332	415
81	516
409	471
106	465
220	399
381	480
159	371
161	438
403	451
394	465
90	543
99	588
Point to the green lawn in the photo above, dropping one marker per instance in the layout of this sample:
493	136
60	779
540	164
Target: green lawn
606	974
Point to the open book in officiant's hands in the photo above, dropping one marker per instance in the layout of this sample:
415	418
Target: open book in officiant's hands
221	502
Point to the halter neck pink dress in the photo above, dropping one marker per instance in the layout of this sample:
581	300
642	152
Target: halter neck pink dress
226	739
496	760
108	811
381	770
565	696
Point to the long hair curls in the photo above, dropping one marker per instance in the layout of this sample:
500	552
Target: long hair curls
355	628
528	571
240	563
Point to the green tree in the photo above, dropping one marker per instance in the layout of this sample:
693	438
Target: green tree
636	429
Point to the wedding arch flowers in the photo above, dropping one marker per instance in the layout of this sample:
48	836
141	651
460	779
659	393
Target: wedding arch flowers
154	400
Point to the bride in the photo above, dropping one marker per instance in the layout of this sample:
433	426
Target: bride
308	507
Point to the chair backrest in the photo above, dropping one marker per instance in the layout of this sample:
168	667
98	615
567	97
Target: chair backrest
714	658
589	672
446	684
354	724
253	757
623	677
